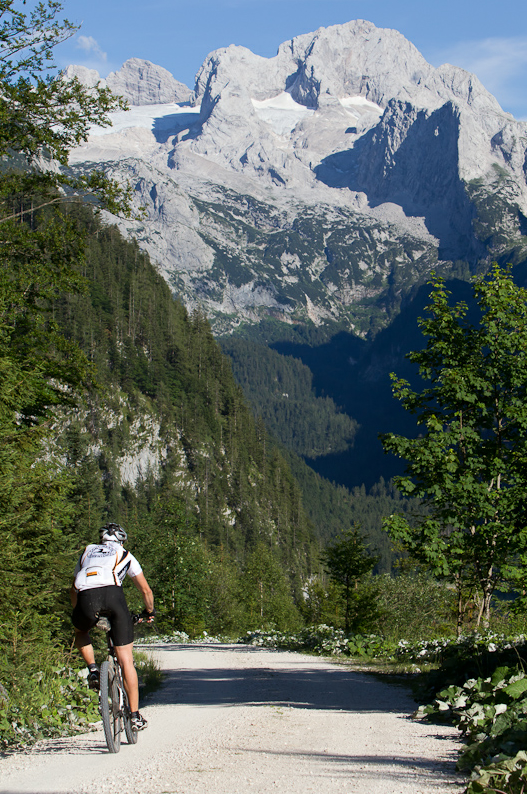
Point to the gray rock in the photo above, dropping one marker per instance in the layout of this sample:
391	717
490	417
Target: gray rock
144	83
88	77
346	153
138	81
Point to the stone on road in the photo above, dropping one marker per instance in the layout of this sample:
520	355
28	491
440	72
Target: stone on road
232	719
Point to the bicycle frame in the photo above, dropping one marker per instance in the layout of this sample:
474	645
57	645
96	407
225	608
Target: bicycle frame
113	700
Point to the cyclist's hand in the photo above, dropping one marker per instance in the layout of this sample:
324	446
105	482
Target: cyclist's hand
146	616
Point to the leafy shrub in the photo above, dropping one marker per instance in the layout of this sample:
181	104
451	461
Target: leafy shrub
508	775
491	713
52	703
414	606
322	639
179	637
163	639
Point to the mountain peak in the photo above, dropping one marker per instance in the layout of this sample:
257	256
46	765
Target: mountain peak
140	82
336	173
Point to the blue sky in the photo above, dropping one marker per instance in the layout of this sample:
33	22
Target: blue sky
483	36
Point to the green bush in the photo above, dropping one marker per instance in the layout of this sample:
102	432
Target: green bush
413	607
491	713
52	703
324	640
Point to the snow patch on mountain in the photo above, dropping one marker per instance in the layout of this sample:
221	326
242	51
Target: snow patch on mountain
165	118
360	103
281	112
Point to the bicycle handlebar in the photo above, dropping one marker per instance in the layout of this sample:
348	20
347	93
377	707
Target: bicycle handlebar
144	617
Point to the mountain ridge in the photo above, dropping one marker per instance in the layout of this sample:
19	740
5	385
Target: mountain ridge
319	186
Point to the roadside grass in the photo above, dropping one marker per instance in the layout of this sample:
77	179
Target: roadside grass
150	675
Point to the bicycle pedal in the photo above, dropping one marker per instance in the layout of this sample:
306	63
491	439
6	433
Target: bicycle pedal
104	624
94	679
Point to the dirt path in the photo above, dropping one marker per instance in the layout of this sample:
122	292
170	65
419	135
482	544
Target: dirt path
233	719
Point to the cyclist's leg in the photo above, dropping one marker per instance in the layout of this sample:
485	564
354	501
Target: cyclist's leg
84	617
83	643
131	684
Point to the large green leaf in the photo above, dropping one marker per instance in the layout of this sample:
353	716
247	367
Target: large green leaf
516	689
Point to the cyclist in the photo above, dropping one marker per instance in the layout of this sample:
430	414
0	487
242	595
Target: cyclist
96	589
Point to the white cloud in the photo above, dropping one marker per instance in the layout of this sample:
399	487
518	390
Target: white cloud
500	64
91	47
494	60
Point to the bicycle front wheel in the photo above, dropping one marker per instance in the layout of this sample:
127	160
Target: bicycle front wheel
110	708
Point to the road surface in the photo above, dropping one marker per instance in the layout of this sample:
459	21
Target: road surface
232	719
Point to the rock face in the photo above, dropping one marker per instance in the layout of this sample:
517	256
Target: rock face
318	186
140	82
143	83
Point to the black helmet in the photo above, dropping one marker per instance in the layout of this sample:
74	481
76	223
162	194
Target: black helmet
112	532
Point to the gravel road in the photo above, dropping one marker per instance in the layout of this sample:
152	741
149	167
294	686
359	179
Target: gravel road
232	719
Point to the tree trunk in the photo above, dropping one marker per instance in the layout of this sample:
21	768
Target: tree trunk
460	606
484	608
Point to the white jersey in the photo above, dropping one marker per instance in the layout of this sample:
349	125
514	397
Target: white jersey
104	564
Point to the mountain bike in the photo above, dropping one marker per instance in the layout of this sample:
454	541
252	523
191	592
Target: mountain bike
113	700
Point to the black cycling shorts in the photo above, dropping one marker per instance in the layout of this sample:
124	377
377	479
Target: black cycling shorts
107	601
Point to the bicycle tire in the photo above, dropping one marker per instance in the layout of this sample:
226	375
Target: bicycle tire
109	706
130	731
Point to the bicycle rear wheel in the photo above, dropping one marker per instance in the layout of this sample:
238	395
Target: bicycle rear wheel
131	732
109	705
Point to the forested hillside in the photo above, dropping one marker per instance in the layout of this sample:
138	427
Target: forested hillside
280	390
317	435
167	436
118	405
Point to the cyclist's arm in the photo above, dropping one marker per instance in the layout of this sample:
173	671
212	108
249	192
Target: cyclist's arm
144	588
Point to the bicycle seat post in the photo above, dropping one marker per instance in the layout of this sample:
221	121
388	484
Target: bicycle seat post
104	624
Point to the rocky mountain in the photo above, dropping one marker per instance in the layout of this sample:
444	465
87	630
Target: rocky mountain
140	82
318	187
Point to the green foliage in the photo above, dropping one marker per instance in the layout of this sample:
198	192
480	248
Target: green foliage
347	561
226	610
265	592
469	465
53	702
331	506
280	390
43	116
479	684
41	370
490	713
322	603
166	542
413	606
324	640
507	776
